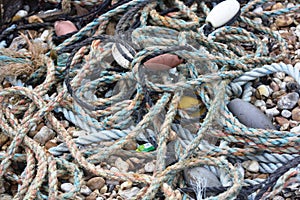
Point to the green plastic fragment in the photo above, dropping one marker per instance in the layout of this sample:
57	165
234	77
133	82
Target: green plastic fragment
145	148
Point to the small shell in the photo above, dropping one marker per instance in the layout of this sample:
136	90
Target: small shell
119	52
223	13
64	27
163	62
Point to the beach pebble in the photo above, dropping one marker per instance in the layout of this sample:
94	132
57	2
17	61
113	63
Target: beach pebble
44	135
279	75
19	15
103	189
286	113
34	19
259	103
258	10
64	27
5	197
149	167
274	86
121	165
95	183
272	112
67	187
282	21
196	174
92	196
3	139
85	190
277	6
293	123
249	115
296	114
126	185
251	165
288	101
263	91
130	193
281	120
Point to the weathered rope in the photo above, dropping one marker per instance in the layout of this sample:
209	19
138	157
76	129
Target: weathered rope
81	83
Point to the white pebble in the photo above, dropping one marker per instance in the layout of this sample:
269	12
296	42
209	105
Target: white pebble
67	187
126	185
258	10
85	190
149	167
122	165
259	103
21	13
279	75
251	165
45	35
286	113
282	86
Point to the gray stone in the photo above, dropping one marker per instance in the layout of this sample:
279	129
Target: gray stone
288	101
197	174
44	135
249	115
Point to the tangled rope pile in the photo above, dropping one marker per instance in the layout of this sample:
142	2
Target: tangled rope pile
80	81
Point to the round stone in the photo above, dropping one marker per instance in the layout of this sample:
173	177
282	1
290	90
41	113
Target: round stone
288	101
296	114
249	115
95	183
